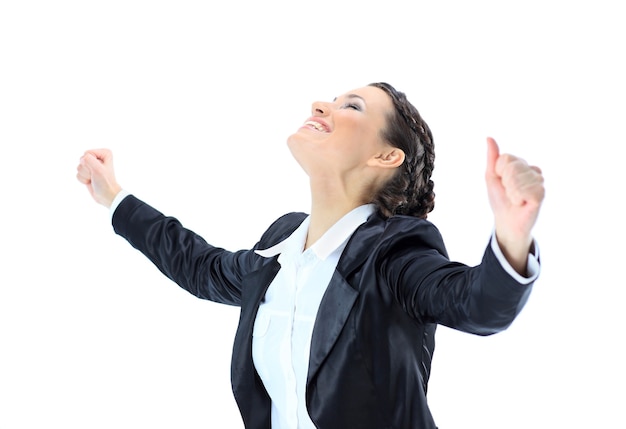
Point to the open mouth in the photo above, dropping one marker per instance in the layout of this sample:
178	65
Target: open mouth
316	126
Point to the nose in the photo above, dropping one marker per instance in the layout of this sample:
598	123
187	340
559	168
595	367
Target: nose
320	108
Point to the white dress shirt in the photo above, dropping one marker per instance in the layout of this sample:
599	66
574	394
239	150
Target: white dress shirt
281	339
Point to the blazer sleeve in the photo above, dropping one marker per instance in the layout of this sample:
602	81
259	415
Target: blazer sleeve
206	271
203	270
482	300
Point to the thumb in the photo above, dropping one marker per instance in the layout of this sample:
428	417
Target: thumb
493	153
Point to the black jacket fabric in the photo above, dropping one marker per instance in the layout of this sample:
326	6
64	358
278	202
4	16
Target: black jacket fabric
373	337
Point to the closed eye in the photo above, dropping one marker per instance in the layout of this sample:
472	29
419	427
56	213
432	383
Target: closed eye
353	101
352	106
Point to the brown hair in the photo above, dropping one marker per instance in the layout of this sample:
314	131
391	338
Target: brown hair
410	190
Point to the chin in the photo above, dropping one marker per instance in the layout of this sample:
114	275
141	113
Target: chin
296	140
295	144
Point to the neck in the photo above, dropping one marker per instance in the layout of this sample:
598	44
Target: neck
329	203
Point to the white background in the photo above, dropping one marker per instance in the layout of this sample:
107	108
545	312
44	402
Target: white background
196	99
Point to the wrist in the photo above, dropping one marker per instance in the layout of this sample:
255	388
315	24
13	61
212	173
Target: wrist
515	249
109	197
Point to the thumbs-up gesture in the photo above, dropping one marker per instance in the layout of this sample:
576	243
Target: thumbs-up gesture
516	192
95	170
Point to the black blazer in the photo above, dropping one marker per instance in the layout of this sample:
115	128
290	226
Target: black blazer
373	338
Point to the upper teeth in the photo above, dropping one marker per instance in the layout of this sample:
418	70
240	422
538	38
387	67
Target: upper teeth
316	125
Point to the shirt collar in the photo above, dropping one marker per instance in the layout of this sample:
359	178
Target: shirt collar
337	235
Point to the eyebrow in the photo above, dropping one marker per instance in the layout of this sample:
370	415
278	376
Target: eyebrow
352	96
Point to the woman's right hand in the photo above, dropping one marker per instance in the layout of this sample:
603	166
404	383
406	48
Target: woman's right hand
95	170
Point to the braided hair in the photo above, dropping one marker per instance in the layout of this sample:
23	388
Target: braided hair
410	190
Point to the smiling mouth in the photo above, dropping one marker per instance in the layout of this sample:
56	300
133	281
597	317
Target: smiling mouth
316	126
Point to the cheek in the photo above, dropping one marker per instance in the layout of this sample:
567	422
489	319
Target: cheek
365	142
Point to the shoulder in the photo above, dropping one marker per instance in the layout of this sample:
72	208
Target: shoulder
406	232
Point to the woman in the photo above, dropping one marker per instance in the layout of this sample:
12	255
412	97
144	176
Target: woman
339	308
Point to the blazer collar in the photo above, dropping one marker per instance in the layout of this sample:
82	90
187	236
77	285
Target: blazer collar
335	237
360	245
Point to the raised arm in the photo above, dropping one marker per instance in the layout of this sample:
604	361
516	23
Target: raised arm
204	270
516	192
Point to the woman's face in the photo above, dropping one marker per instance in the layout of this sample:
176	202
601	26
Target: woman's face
343	136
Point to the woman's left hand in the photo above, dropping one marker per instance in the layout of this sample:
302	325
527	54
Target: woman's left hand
516	192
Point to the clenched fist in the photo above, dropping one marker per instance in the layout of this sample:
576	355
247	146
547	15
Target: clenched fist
95	170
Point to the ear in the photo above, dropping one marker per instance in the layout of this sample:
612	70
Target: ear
392	157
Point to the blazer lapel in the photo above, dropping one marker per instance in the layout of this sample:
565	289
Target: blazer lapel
331	317
340	295
242	370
